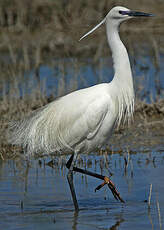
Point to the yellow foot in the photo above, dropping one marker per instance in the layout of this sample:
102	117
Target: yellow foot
112	188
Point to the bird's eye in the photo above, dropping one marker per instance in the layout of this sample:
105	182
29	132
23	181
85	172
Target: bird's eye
122	12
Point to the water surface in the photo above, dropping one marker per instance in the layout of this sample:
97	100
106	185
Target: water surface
34	195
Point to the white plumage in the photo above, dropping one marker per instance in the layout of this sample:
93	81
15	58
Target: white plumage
83	120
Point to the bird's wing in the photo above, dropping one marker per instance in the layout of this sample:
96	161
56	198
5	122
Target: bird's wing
91	118
95	115
63	124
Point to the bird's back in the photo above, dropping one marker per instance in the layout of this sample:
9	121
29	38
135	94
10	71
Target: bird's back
80	121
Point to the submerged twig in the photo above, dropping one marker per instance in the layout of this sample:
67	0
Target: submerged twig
150	218
149	199
159	216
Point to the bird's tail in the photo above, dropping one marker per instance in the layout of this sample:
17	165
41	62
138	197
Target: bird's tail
41	131
33	133
23	131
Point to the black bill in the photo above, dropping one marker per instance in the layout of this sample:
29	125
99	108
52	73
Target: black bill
135	13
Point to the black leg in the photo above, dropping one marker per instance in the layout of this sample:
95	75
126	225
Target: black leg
70	182
105	179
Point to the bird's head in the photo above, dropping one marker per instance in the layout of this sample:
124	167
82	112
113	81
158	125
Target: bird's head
120	14
117	15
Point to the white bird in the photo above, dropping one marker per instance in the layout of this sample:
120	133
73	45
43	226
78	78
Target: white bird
83	120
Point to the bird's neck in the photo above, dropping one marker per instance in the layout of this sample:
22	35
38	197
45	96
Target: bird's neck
122	83
120	57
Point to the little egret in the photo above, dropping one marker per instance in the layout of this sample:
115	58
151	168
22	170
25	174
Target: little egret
83	120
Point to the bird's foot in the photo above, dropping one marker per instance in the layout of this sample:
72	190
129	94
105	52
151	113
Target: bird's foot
106	181
111	187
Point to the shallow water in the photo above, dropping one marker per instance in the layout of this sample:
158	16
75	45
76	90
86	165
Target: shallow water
148	78
36	196
148	81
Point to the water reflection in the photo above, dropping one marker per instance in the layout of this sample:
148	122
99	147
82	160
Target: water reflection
117	224
36	193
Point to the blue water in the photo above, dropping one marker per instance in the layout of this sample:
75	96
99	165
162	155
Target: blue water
69	74
146	74
36	196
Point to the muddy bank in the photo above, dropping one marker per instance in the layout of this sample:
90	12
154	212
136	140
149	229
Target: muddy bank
145	133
